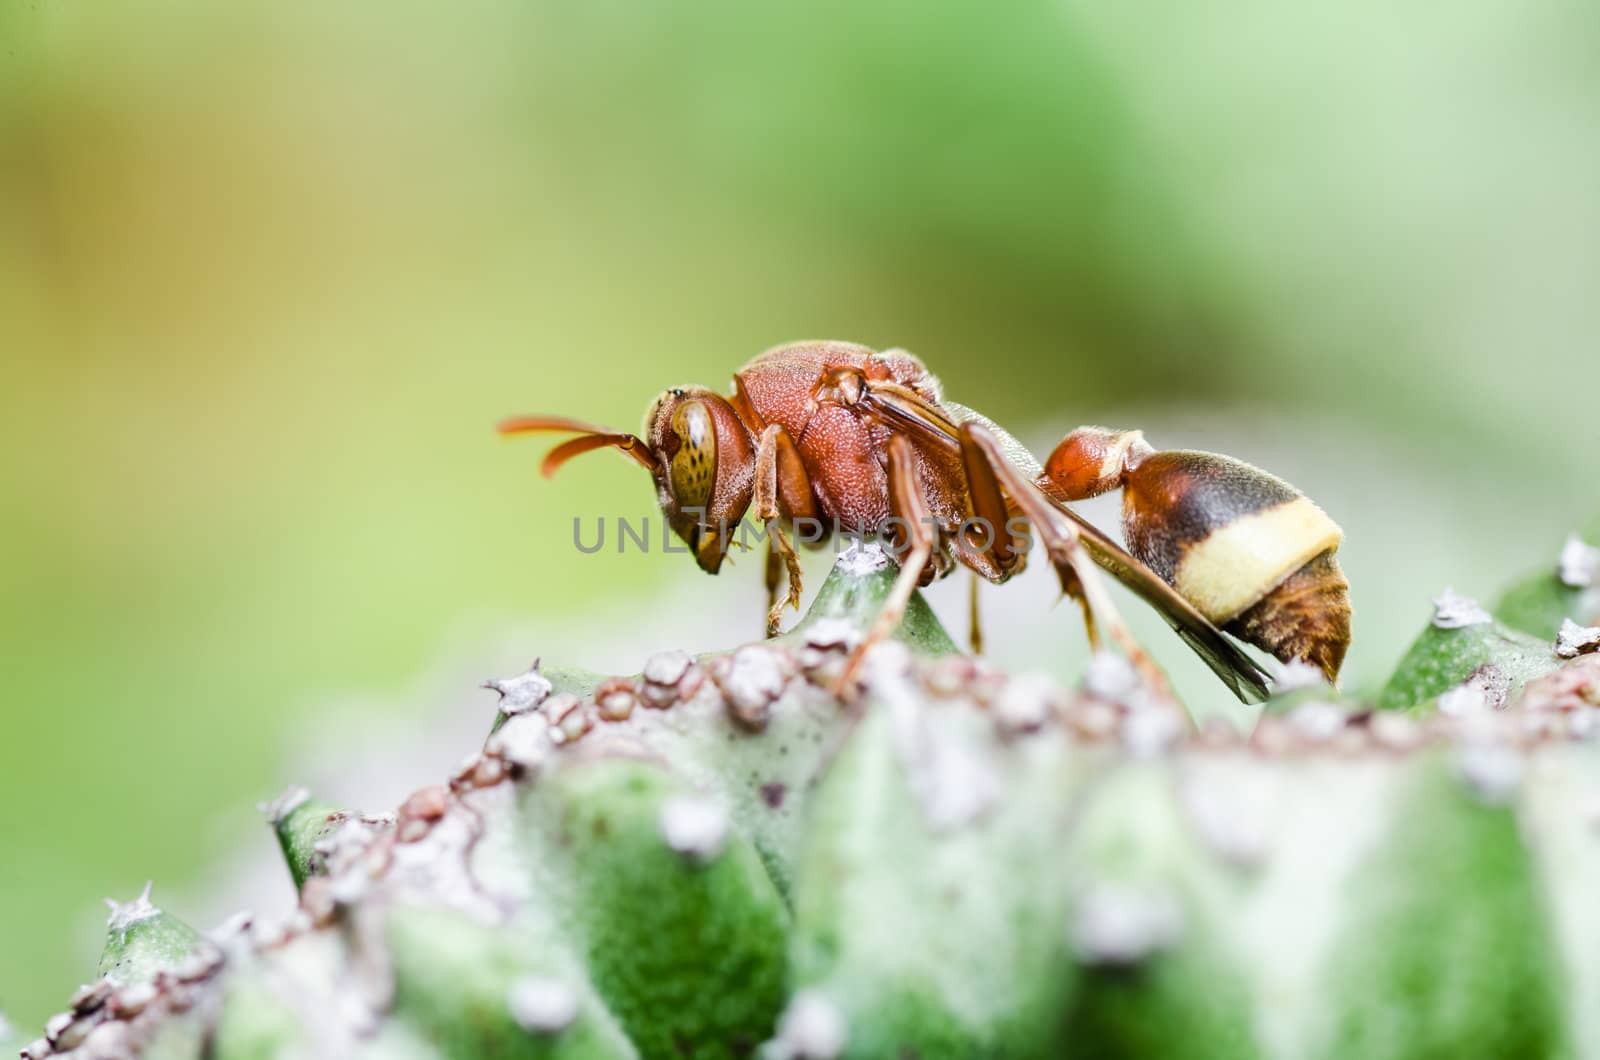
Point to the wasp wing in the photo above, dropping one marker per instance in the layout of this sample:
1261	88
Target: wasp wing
903	409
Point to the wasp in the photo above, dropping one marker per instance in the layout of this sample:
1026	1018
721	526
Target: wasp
852	440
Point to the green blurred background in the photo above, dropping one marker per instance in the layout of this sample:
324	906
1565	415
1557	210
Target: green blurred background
269	273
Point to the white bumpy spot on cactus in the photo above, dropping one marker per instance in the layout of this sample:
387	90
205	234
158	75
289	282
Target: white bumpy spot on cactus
523	742
1578	566
825	636
464	772
1296	675
341	853
1110	677
889	662
542	1006
1495	683
523	692
827	633
952	780
1151	730
1231	812
281	807
569	718
437	862
1394	731
694	826
125	915
108	1041
1485	689
1318	720
198	965
1121	925
1462	700
616	703
862	558
1026	703
131	1000
54	1027
350	886
754	678
1454	611
666	667
1492	770
233	929
811	1028
1574	640
557	706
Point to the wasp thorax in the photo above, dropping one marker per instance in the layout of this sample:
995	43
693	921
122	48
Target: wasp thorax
1093	460
1251	552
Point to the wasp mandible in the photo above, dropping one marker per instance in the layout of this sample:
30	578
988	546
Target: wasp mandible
862	442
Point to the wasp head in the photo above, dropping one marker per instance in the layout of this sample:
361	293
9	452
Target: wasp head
696	448
706	468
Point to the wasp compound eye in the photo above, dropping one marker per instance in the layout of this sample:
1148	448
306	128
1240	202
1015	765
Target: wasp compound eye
693	469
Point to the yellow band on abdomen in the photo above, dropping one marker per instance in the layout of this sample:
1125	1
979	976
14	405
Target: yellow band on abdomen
1240	563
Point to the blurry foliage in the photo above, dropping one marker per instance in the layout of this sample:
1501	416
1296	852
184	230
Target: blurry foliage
269	272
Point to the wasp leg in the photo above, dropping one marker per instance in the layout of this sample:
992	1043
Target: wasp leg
774	579
1089	625
985	545
782	491
781	558
910	507
974	621
987	468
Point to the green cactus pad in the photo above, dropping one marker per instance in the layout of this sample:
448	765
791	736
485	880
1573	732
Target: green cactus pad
1427	990
717	857
928	828
301	823
672	912
1152	925
857	589
472	989
1454	649
142	940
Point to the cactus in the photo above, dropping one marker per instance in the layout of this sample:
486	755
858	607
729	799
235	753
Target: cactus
715	857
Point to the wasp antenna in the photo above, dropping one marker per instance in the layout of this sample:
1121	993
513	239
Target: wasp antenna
537	424
592	438
627	443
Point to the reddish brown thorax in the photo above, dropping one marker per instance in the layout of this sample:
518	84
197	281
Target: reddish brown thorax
810	389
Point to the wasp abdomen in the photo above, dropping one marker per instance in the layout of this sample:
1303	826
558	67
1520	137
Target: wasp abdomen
1221	532
1251	552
